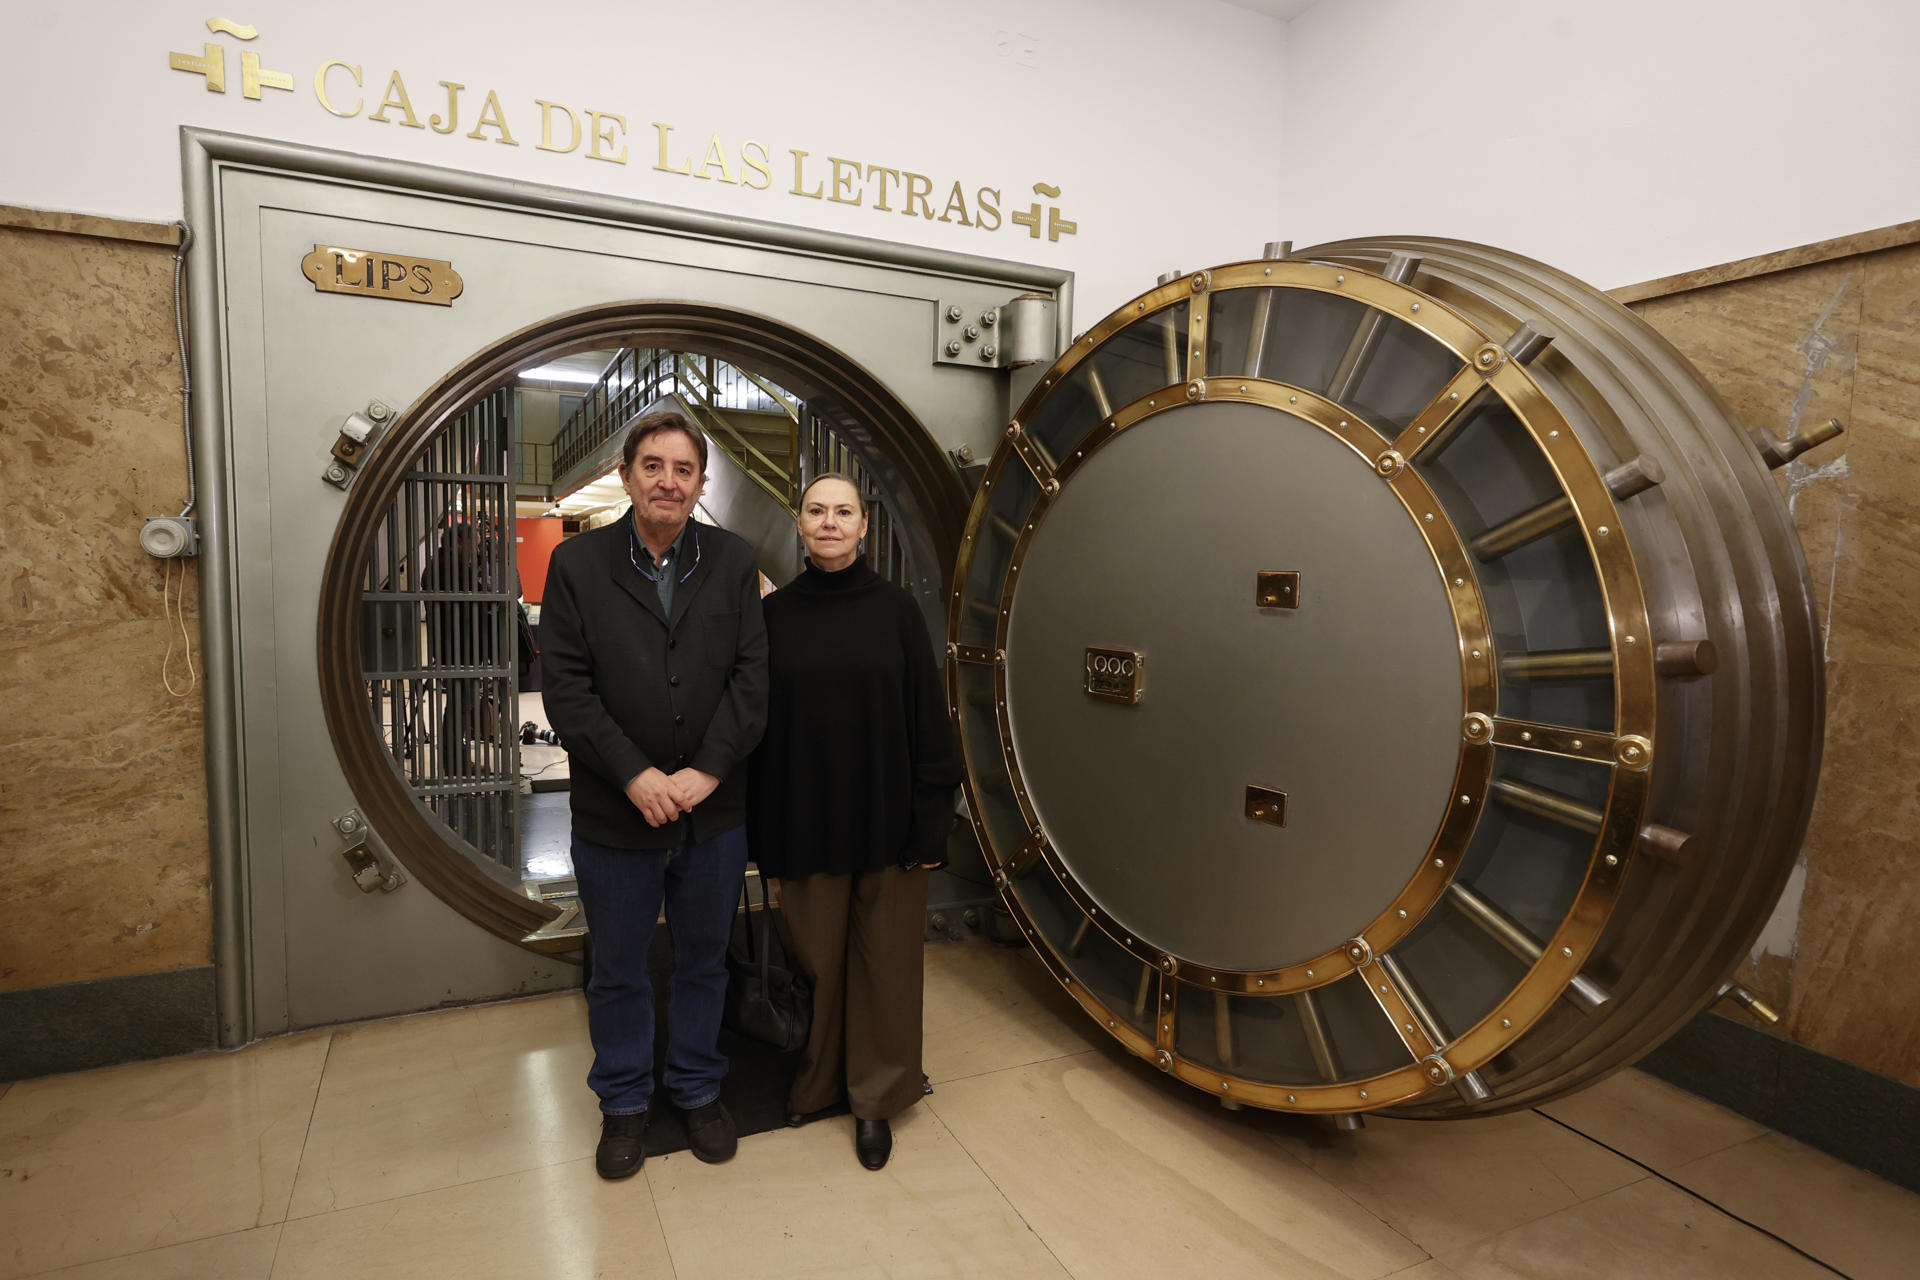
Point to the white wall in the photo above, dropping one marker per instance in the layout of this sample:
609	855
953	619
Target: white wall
1096	97
1620	140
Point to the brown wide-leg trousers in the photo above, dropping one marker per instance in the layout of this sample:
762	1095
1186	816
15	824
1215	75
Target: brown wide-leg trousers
859	939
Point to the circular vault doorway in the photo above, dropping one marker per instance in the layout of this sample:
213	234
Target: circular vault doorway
899	453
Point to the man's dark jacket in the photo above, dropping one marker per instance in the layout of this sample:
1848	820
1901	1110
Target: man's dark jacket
626	686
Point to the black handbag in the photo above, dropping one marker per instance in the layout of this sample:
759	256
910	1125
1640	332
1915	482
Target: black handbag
771	1002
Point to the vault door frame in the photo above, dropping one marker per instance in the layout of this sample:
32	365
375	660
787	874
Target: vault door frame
252	989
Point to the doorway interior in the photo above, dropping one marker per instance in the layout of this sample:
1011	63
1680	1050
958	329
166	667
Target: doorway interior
450	613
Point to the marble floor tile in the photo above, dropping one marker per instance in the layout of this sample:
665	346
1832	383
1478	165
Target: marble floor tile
557	1222
1431	1269
1847	1218
244	1255
795	1203
1446	1184
416	1103
103	1163
1651	1121
1650	1230
1123	1174
990	1007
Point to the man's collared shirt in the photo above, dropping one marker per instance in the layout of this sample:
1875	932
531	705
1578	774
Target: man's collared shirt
667	572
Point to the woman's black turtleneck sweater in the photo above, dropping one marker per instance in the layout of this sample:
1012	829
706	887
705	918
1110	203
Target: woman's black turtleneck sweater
858	766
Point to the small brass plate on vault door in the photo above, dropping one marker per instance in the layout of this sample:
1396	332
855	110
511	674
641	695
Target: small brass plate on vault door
1115	675
1277	590
1264	805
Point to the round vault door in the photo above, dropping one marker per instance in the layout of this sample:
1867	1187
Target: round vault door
1387	678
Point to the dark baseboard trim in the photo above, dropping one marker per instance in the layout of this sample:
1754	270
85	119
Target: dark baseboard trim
1846	1111
80	1025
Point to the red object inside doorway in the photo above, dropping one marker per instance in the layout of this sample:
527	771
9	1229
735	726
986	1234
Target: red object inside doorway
535	538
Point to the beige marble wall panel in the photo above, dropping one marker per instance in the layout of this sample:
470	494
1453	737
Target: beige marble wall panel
1842	339
1856	989
1782	351
103	835
93	445
102	807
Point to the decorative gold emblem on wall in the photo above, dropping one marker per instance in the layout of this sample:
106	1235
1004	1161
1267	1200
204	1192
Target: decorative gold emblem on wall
371	274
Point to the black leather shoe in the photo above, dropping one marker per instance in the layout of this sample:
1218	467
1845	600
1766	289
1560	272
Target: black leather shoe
873	1140
623	1146
795	1119
711	1134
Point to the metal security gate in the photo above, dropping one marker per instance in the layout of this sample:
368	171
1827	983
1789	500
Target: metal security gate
438	635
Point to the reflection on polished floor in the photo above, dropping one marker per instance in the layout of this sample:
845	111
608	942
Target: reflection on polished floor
459	1144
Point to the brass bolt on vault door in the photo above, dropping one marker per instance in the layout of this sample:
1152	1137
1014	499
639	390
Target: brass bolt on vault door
1276	589
1266	805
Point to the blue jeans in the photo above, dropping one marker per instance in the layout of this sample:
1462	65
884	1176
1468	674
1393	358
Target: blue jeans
621	892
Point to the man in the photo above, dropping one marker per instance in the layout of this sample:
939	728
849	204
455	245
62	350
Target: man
654	660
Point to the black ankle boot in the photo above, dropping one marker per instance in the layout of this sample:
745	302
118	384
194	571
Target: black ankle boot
623	1146
873	1141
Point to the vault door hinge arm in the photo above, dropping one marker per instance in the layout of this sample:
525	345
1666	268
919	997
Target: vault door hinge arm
1020	331
373	870
358	434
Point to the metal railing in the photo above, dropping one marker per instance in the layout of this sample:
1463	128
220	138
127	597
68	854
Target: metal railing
700	391
533	463
632	380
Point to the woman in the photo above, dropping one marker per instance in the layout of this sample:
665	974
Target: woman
849	807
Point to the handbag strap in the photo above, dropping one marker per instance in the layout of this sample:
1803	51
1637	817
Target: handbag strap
766	939
746	904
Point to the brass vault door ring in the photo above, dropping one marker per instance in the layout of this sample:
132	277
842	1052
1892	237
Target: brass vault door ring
1506	492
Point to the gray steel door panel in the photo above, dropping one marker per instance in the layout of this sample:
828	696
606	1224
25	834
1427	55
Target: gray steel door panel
299	361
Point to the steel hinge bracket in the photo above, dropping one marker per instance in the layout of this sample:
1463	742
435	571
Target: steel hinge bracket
1020	331
372	868
358	434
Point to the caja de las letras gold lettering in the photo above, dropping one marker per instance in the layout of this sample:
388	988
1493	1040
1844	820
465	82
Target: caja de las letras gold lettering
347	89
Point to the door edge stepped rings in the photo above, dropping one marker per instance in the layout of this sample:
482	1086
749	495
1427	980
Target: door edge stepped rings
1638	943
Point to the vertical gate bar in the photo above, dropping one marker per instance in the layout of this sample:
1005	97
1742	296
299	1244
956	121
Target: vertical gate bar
510	653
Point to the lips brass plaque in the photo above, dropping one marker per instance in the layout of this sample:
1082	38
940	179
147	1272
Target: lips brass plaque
1115	675
372	274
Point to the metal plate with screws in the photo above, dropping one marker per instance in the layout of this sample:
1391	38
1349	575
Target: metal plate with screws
1267	805
1277	589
